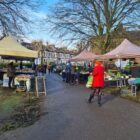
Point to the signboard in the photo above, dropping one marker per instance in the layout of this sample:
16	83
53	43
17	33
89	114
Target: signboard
40	85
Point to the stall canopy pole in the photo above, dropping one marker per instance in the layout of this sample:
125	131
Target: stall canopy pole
120	64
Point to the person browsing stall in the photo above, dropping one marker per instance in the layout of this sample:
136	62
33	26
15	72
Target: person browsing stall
10	73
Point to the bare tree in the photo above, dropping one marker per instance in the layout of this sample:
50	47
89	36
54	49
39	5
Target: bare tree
14	15
77	20
38	45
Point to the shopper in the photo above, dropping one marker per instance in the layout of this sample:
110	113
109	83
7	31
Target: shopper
63	75
90	69
68	72
49	68
73	73
77	75
98	81
10	73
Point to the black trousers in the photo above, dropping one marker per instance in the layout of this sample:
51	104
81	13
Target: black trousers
68	75
98	92
10	80
72	79
49	70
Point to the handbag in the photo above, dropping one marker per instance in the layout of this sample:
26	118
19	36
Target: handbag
89	82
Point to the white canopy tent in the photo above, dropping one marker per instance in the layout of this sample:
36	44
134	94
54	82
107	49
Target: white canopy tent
84	56
9	47
125	50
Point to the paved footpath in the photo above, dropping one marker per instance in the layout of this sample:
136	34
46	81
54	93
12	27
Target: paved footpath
68	116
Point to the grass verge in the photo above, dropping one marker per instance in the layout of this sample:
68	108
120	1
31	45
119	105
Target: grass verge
17	110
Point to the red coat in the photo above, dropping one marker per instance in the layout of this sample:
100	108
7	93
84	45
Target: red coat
98	74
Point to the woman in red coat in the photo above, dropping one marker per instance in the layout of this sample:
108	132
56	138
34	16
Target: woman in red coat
98	81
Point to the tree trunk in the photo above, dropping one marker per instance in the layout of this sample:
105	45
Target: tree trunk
106	43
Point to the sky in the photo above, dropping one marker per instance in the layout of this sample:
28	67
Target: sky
38	30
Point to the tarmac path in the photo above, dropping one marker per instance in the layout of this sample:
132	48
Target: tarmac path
68	116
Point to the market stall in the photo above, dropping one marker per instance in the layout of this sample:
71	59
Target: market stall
125	50
11	49
86	57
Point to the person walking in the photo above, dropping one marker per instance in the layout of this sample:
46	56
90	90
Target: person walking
98	81
49	68
63	75
68	72
10	73
72	77
44	68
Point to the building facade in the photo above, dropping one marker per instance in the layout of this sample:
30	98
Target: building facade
52	54
57	57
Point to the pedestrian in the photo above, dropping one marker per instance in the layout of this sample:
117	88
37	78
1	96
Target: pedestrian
52	66
49	68
98	81
10	73
77	75
90	69
33	66
45	67
72	77
68	72
63	75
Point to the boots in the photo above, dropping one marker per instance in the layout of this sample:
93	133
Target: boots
99	99
91	97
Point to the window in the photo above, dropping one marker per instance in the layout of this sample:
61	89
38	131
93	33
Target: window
44	54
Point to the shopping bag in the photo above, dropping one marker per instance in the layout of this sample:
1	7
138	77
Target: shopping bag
89	81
